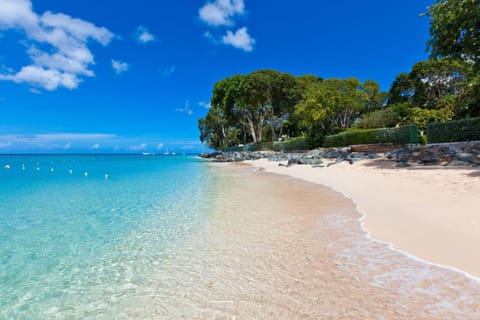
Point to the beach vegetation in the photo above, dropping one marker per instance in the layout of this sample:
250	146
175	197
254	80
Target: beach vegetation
268	108
460	130
400	135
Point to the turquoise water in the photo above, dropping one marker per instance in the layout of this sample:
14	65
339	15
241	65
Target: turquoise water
81	235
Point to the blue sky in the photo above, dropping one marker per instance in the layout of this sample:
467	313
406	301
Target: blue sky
135	76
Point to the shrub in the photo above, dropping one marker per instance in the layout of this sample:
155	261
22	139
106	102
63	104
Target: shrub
452	131
401	135
379	119
299	143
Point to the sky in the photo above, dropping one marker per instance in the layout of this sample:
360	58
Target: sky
135	76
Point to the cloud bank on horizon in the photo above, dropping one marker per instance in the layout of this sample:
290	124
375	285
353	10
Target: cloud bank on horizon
93	142
68	58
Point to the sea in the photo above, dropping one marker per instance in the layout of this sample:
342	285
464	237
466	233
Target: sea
171	237
82	234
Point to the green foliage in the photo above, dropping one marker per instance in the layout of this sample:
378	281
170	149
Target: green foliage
379	119
400	135
429	82
452	131
292	144
422	117
335	103
454	29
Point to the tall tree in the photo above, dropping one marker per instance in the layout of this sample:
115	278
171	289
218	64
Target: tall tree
429	82
455	29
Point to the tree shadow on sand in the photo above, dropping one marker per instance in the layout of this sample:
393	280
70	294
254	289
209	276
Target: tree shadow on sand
383	164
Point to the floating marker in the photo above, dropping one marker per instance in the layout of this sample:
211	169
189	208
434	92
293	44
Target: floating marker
106	177
70	171
7	166
51	169
86	174
38	169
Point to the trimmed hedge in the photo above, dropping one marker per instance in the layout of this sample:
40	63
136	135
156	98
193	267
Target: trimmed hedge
401	135
452	131
289	145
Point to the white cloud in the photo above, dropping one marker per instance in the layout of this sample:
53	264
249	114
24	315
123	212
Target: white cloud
168	71
119	66
96	146
221	12
186	109
67	59
139	147
73	136
205	105
143	36
240	39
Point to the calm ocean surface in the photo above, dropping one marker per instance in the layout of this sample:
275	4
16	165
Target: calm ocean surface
82	234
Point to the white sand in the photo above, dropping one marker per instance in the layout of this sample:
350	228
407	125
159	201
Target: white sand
430	212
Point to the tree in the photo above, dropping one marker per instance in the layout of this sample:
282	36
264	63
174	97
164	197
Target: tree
223	124
332	103
429	82
376	98
402	89
255	101
455	29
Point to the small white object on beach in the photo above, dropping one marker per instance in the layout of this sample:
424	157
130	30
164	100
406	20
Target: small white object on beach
85	174
7	166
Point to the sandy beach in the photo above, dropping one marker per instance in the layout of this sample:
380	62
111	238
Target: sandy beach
432	212
277	247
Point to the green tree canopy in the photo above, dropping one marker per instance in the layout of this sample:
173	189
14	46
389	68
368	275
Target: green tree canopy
455	29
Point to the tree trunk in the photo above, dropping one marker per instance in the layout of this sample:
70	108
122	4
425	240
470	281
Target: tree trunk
252	128
272	125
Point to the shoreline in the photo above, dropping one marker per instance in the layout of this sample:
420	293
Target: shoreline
419	223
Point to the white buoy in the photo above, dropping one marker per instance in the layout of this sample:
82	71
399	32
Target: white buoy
70	171
106	177
38	169
85	174
51	169
7	166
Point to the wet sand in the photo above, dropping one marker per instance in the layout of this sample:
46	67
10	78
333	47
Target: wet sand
275	247
430	212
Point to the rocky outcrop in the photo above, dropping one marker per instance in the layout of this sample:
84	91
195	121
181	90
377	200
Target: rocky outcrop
454	154
461	154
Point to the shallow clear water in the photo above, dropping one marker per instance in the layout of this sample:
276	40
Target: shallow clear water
82	234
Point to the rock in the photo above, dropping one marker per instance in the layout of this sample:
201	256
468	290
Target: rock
402	165
465	157
372	155
332	154
473	147
430	160
385	147
457	163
